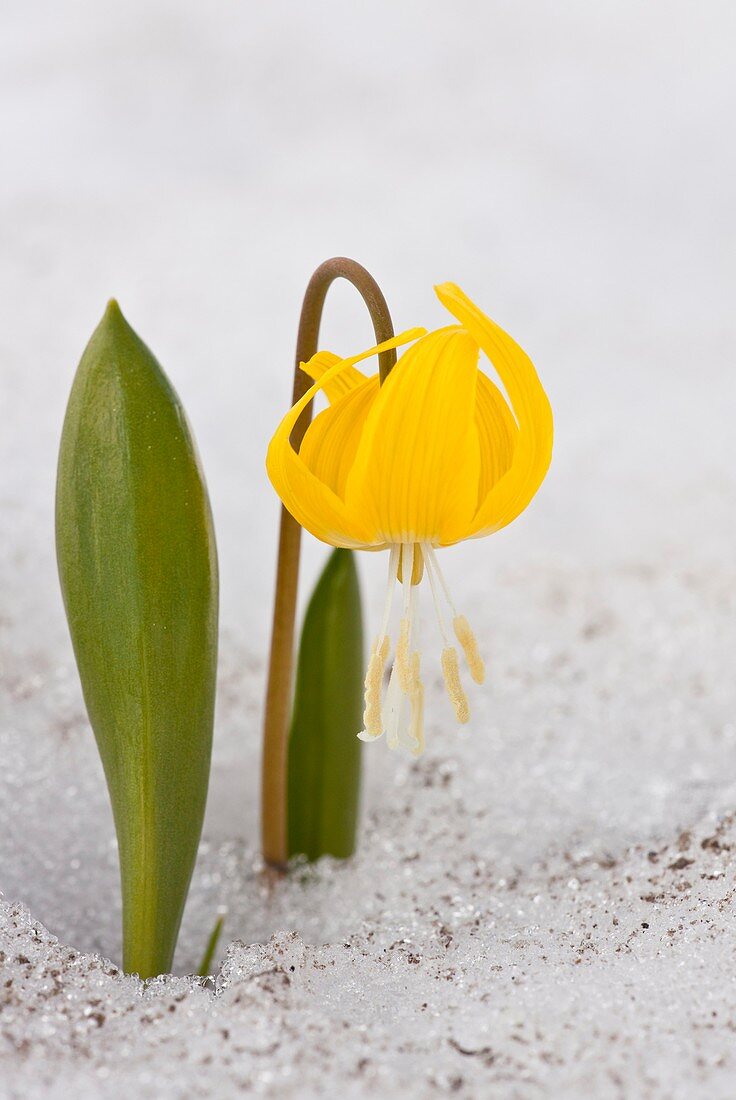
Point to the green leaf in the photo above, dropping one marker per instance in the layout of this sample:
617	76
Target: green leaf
212	942
138	570
324	750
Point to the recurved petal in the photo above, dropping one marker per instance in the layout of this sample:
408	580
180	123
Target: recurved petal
415	474
341	384
331	440
312	503
533	450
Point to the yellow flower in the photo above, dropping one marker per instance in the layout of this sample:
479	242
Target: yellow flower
434	455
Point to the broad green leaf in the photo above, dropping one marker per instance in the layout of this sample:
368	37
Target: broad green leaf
324	750
138	569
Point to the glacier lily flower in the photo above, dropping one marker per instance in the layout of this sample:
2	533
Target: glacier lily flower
433	456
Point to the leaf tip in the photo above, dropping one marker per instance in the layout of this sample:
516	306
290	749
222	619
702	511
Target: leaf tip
113	313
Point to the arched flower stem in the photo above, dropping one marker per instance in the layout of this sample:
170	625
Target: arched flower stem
274	830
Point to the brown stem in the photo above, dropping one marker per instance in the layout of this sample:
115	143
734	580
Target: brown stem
278	693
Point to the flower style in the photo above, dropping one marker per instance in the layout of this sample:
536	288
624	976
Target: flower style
433	456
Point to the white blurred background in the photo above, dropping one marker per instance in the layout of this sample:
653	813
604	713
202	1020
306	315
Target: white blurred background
570	165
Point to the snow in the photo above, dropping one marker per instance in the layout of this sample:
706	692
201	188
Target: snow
542	905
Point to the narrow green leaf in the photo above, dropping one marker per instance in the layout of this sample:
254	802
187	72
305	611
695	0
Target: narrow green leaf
212	942
324	750
138	570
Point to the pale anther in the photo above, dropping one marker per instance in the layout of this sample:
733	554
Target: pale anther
451	673
416	682
467	640
417	716
403	663
372	717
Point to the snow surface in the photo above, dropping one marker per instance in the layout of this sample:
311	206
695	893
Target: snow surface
542	906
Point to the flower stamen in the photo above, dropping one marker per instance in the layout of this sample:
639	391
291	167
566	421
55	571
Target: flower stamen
394	700
372	716
417	708
401	717
411	559
393	561
403	662
468	641
450	665
406	665
451	673
435	595
461	626
403	650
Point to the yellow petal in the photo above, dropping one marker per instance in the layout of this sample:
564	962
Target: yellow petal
341	384
312	503
332	439
533	450
415	475
497	432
